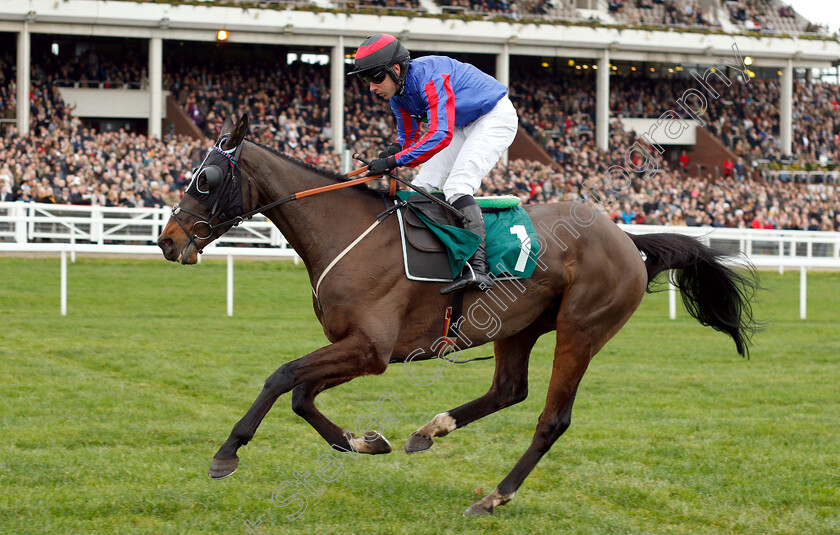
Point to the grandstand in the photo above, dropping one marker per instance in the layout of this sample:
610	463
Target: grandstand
117	99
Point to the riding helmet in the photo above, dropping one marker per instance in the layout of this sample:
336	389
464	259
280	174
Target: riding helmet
380	52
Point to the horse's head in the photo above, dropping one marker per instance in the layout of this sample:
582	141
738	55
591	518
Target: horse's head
212	203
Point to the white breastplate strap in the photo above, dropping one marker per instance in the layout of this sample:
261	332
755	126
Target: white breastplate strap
341	255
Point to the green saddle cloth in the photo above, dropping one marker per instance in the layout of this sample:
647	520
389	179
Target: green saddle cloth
510	249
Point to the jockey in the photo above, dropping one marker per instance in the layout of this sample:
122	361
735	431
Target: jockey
471	123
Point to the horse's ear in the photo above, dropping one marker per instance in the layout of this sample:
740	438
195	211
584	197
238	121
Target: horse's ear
227	126
240	129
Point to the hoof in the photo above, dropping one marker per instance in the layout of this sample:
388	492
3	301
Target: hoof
371	444
418	443
376	446
485	506
478	509
222	468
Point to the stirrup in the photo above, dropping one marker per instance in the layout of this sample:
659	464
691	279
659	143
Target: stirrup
469	281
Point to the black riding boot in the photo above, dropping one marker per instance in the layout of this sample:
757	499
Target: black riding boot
475	275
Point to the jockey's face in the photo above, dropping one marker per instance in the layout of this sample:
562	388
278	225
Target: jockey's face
388	87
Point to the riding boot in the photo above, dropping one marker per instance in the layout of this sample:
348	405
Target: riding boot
475	275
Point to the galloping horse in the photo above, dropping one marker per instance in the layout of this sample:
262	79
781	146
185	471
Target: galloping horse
590	279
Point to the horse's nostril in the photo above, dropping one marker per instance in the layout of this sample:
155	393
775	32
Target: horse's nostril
165	242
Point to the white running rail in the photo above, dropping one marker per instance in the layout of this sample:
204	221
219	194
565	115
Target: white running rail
51	228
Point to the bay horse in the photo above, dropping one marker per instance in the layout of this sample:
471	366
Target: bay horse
590	279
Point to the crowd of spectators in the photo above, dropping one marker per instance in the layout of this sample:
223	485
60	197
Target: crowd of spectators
667	12
745	116
672	198
560	116
554	9
759	15
62	161
750	15
669	196
514	9
76	165
8	88
87	70
769	16
387	4
288	107
499	7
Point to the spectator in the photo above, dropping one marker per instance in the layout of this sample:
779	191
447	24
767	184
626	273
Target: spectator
6	192
728	167
684	160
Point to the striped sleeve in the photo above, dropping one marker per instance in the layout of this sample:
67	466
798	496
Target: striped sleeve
440	101
408	129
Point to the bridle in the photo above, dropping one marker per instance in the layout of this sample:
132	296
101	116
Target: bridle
230	187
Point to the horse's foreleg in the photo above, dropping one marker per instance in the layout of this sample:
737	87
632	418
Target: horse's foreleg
351	357
303	403
571	359
510	386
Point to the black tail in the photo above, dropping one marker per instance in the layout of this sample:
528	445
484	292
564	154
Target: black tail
716	295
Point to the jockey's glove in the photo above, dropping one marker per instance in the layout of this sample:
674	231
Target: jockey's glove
390	150
381	165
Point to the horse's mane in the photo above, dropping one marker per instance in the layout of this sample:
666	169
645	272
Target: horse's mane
327	173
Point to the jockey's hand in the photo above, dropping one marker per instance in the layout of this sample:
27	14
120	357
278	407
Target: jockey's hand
380	165
390	150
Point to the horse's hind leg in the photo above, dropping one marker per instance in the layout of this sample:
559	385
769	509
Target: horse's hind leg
510	386
303	403
571	358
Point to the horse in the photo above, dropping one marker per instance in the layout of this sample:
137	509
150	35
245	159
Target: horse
591	277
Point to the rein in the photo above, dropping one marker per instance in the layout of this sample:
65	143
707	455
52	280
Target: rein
305	193
394	179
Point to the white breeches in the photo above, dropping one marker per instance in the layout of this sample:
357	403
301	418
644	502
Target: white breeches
459	168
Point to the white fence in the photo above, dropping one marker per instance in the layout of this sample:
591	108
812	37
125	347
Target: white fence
32	227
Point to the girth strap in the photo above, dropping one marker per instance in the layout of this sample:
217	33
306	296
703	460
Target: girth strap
379	218
341	255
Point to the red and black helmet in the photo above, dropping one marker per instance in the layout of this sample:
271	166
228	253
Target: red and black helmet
377	55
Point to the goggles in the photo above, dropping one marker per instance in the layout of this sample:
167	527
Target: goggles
376	77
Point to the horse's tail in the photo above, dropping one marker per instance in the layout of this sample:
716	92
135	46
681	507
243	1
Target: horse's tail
713	293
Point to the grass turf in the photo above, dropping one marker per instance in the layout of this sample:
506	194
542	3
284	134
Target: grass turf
111	414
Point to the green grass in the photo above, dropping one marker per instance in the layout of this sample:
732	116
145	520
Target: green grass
111	414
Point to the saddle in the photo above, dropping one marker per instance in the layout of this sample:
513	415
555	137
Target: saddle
417	232
427	257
